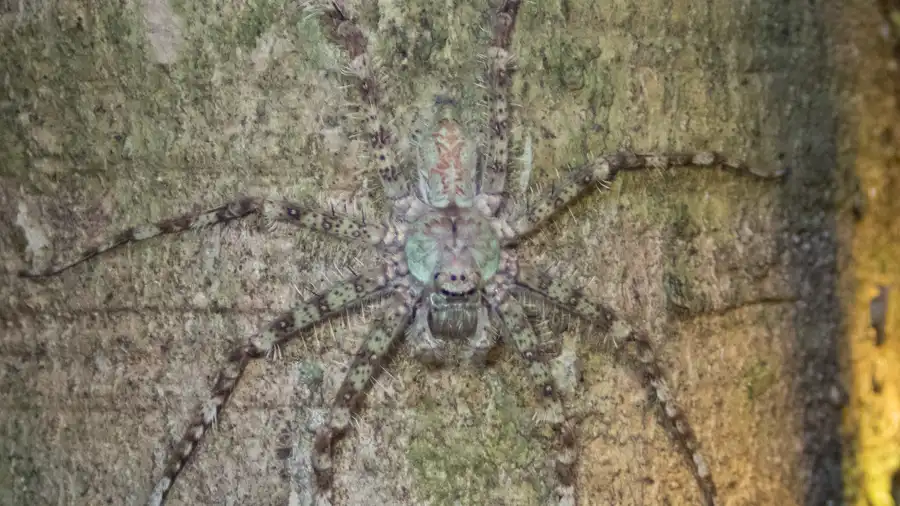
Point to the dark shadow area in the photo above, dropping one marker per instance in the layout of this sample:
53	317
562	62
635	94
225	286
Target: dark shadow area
793	55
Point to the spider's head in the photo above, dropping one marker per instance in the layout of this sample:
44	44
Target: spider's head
458	276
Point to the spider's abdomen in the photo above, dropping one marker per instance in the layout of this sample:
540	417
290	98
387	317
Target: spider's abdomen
448	164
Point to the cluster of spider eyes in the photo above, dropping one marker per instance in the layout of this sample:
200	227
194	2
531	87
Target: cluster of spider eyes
454	277
462	277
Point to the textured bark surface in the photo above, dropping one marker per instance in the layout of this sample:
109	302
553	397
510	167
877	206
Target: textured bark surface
872	417
117	114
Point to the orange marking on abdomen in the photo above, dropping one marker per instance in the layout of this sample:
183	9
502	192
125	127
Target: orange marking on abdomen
449	142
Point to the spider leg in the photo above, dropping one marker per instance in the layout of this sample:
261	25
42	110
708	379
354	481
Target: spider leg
341	26
385	332
327	222
572	299
518	329
601	171
230	211
500	66
331	223
341	296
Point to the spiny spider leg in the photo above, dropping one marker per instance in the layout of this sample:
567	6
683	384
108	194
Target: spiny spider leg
386	330
601	171
327	222
572	299
518	329
341	27
500	66
233	210
343	295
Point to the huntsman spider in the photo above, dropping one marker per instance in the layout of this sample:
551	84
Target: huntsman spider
451	272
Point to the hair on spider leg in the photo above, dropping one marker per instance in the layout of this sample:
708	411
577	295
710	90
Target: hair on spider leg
307	288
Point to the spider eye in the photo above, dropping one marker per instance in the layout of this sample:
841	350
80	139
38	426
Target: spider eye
453	277
437	275
462	277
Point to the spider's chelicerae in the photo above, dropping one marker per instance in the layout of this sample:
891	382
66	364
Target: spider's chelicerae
451	271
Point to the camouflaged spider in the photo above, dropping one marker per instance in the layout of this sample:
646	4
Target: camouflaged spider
451	272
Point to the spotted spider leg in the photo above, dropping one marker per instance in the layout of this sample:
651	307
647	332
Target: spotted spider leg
342	28
341	296
230	211
601	171
572	299
499	76
327	222
384	333
517	328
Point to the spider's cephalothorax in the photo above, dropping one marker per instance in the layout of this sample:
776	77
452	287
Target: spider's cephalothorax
450	264
450	252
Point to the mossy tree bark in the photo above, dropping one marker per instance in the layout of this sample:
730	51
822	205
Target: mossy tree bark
118	114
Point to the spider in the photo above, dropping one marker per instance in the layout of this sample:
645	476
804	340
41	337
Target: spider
451	272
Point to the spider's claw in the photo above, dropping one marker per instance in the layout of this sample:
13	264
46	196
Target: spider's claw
274	354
